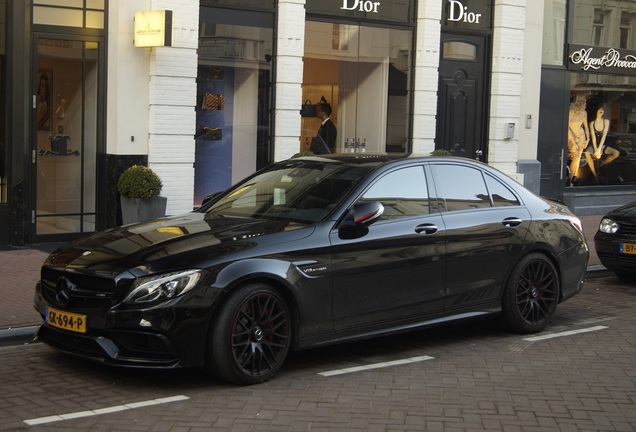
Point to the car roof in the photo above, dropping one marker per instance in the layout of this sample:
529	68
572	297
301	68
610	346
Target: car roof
377	159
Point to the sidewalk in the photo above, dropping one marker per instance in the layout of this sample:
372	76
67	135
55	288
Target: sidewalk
20	270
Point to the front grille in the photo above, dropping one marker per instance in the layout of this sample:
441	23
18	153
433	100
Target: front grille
90	292
627	260
627	228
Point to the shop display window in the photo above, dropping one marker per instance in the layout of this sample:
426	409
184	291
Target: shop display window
602	130
363	74
233	110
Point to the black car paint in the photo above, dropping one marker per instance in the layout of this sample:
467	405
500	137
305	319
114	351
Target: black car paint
608	245
325	277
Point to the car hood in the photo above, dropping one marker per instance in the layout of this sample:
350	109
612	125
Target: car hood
628	211
188	241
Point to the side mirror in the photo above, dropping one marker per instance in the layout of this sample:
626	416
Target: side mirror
210	197
357	221
364	214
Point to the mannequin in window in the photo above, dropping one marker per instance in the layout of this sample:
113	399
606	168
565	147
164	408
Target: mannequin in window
327	132
599	127
578	135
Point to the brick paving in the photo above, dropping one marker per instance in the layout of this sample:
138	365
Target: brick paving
481	379
20	270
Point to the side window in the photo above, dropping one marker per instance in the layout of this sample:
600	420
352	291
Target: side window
402	193
501	195
460	187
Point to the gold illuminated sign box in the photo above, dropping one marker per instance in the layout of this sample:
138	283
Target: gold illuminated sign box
153	28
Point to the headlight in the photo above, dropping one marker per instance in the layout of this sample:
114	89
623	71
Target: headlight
608	226
163	287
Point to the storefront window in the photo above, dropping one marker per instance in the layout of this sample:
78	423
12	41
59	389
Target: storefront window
602	130
233	114
363	74
602	117
554	18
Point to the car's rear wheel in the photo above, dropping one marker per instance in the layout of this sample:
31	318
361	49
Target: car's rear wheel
531	295
251	336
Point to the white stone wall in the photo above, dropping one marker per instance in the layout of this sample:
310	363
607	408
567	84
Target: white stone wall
506	83
172	98
152	95
289	77
127	89
427	53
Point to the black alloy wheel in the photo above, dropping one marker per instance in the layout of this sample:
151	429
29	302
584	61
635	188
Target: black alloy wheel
252	335
531	295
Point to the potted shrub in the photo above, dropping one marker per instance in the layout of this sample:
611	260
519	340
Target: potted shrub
139	187
441	152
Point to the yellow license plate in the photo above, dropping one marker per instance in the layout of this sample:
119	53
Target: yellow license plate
66	320
628	248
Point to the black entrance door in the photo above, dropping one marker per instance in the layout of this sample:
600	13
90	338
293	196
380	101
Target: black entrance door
462	108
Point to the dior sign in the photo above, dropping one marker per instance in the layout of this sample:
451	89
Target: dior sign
605	60
361	5
459	12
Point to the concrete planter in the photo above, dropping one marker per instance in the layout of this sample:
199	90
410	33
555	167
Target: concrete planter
138	209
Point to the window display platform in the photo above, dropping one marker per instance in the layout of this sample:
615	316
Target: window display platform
592	200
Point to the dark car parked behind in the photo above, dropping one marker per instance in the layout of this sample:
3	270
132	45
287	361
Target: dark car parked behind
615	241
308	252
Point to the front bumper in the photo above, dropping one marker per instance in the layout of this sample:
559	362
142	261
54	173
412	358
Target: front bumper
169	335
608	251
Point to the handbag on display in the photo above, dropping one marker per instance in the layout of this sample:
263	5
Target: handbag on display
213	134
213	102
308	109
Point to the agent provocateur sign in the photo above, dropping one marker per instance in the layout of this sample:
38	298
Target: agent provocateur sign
601	60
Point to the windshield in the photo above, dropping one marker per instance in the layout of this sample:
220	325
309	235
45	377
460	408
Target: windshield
300	190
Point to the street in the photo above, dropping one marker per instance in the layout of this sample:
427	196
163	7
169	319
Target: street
578	375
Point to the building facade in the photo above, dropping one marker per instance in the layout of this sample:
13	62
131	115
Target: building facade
233	88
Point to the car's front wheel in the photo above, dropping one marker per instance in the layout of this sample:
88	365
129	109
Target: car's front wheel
251	336
531	295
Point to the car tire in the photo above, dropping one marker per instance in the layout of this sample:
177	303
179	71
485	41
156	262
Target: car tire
251	336
531	295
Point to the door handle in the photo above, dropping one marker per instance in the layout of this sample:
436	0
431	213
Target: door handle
511	222
427	228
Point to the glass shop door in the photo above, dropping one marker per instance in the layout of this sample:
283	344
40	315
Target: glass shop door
65	138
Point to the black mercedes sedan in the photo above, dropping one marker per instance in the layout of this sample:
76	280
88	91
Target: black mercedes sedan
615	241
308	252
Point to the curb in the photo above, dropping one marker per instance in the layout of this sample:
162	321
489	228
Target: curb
599	270
17	335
